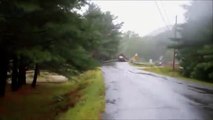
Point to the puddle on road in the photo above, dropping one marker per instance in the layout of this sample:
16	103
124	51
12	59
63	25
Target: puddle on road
109	64
115	89
198	102
201	90
111	101
135	72
179	83
113	82
150	74
107	116
207	108
204	108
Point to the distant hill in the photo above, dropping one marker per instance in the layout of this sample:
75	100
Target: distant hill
152	46
159	30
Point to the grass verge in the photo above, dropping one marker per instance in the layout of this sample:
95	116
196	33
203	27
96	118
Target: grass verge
169	72
77	99
92	102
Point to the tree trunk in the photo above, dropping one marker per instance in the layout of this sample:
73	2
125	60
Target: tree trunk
36	72
3	75
15	84
22	73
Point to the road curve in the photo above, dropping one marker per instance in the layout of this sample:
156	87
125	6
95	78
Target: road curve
133	94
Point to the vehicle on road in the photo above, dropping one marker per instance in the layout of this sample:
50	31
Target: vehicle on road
121	58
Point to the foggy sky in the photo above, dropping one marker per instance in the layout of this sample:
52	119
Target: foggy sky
143	17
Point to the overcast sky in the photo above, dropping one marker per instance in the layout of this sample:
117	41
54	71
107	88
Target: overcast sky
143	17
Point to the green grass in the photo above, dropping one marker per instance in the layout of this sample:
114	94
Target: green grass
92	102
75	100
169	72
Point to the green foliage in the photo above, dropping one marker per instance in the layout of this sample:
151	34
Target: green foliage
196	46
148	47
51	100
52	33
91	105
102	33
35	29
176	74
35	54
54	36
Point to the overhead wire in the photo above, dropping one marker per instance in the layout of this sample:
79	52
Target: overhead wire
165	13
161	15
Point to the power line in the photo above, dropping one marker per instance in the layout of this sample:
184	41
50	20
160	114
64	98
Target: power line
162	17
165	13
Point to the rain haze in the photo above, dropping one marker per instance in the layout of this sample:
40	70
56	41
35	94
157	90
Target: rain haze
144	17
106	60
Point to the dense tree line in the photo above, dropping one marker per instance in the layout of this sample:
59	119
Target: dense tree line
195	47
147	47
52	35
105	30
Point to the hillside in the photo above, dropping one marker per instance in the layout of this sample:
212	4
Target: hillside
148	47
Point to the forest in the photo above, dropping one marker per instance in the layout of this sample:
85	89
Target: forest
55	36
193	44
147	47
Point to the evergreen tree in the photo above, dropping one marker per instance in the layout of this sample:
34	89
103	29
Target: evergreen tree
196	44
52	35
105	34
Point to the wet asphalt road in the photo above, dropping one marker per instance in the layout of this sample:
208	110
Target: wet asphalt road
133	94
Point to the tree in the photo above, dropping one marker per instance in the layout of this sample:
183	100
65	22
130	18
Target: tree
195	46
103	35
52	35
148	47
29	31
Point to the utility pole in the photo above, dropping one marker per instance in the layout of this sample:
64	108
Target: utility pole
173	64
